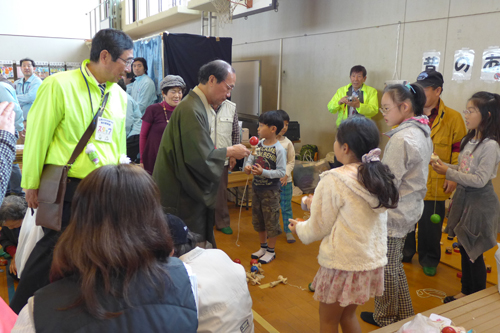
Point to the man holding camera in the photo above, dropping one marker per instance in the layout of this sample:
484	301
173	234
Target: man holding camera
355	98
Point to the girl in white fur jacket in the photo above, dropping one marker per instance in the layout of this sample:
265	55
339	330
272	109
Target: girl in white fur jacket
348	212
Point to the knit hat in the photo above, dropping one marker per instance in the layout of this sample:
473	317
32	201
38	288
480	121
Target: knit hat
178	229
430	79
170	81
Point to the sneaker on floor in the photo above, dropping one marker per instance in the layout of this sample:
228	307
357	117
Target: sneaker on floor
290	238
429	271
267	258
227	230
368	318
258	254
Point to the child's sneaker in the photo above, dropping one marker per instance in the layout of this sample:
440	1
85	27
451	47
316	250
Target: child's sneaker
267	258
258	254
290	238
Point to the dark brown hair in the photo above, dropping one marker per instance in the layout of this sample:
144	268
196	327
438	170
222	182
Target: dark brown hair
489	127
117	230
412	92
362	135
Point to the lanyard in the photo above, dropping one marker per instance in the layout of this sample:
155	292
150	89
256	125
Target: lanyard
90	97
88	89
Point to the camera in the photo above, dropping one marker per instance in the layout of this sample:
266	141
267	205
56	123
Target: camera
350	98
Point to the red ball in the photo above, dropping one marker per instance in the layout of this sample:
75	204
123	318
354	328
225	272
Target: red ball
254	262
254	140
238	261
459	275
448	329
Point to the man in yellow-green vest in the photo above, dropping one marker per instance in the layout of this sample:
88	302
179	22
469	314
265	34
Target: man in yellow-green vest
65	105
355	98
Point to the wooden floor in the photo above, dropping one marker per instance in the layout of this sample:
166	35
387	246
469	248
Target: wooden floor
289	309
286	308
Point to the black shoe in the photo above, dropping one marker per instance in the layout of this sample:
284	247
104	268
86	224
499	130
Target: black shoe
407	259
368	318
449	299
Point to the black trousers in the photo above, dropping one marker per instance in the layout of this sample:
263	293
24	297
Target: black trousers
133	148
37	268
473	273
429	237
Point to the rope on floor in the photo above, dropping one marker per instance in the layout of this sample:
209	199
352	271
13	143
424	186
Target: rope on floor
241	207
426	293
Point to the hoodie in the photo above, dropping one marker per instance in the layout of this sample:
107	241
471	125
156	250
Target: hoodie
353	233
408	154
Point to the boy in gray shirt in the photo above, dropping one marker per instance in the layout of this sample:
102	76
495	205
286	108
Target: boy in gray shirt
267	166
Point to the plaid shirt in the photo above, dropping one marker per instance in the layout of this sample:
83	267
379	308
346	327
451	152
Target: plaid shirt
7	156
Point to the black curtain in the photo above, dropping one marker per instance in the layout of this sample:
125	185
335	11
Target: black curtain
184	54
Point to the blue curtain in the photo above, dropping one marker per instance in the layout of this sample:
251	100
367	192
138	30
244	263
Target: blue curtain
151	50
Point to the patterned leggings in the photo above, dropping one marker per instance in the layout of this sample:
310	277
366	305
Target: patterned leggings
395	304
286	204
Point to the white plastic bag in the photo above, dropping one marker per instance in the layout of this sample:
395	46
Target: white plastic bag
420	324
29	235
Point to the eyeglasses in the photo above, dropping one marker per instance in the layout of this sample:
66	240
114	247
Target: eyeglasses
468	112
127	62
386	110
228	86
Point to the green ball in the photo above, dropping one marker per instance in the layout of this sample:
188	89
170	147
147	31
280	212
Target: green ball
435	218
310	287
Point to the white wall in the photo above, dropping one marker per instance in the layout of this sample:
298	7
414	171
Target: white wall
323	39
52	18
45	30
43	49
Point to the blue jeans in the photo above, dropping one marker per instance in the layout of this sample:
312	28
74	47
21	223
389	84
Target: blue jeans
286	204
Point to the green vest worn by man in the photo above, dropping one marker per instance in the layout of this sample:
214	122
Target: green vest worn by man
61	113
188	166
368	104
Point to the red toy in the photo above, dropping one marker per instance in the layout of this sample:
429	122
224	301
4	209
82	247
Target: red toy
448	329
238	261
254	262
459	275
254	140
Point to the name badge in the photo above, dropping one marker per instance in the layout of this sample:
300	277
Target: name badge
104	130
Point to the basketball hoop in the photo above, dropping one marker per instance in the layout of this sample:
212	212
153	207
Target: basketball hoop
225	9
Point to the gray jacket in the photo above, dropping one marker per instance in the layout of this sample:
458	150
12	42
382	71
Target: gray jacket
475	211
408	154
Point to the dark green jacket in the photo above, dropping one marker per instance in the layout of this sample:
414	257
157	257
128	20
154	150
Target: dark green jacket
188	167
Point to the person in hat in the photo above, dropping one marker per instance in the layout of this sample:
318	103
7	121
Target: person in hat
156	118
224	302
447	131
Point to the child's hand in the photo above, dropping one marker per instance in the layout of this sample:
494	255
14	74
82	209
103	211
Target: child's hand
284	180
307	202
293	224
440	167
257	169
248	169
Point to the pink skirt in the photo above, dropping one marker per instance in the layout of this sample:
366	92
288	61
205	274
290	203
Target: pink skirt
347	288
